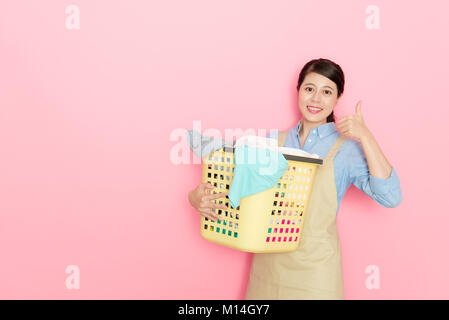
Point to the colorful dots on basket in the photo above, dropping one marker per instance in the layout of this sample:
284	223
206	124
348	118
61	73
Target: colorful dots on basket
275	230
223	231
290	239
281	230
269	230
283	221
205	226
276	194
229	232
268	239
211	228
297	230
235	234
218	229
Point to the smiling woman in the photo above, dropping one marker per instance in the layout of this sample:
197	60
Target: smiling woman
351	156
320	85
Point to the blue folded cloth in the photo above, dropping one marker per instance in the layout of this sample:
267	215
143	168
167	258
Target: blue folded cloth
256	170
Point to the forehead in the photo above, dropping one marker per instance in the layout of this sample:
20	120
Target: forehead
319	81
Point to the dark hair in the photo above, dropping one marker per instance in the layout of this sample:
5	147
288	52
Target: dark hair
328	69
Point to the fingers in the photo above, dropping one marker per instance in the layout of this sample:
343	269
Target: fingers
343	122
209	213
209	204
345	119
344	128
215	196
208	185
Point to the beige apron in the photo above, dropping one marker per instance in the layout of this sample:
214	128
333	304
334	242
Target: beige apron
314	270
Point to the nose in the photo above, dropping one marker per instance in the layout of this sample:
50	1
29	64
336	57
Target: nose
316	97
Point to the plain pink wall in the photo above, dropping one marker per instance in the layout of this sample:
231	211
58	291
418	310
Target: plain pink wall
86	115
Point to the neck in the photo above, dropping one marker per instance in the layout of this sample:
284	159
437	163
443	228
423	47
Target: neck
306	127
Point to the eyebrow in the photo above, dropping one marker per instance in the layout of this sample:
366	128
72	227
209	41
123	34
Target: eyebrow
323	87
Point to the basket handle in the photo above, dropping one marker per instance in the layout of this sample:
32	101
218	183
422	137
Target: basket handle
281	138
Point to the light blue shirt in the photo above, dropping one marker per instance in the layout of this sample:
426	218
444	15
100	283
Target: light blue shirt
350	166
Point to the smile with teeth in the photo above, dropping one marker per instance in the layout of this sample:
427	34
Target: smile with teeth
313	109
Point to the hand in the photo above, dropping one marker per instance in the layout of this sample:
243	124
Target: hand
200	198
353	126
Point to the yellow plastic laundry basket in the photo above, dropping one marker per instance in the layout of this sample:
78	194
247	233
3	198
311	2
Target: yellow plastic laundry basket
269	221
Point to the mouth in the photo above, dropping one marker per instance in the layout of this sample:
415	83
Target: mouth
314	110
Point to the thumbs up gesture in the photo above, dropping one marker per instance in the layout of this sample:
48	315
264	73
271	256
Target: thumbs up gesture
353	126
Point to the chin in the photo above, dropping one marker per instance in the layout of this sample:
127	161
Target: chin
315	119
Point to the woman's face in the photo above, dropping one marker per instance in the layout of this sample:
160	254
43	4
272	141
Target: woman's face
320	92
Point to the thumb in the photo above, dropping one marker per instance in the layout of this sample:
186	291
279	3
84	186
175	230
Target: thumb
358	108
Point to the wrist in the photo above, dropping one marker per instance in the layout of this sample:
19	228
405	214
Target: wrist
366	135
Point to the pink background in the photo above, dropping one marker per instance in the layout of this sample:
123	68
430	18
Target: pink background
86	115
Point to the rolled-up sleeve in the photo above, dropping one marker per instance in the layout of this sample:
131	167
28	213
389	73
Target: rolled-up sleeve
387	192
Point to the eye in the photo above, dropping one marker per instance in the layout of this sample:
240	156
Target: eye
308	88
328	91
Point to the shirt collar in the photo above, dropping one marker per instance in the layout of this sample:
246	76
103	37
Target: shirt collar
323	130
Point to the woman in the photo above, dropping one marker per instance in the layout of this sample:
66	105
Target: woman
351	156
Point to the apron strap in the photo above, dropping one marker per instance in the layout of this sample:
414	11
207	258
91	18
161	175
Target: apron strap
334	149
281	138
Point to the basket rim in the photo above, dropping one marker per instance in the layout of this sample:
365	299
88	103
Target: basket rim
231	149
